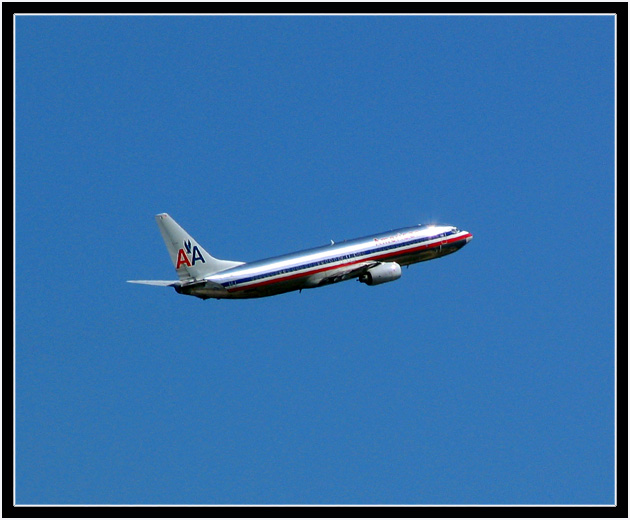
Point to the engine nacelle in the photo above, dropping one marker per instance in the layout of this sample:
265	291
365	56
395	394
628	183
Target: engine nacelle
385	272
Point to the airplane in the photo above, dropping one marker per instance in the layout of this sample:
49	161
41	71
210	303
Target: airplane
373	260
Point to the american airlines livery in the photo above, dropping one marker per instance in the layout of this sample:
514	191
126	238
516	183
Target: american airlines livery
373	260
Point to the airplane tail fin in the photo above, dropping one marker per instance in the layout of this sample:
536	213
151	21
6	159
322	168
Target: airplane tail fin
191	261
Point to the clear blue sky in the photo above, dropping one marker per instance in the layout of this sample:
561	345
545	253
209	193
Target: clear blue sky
485	377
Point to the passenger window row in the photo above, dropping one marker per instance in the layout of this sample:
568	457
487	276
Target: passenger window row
336	259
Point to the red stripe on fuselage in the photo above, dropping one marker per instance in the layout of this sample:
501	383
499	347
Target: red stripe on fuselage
364	259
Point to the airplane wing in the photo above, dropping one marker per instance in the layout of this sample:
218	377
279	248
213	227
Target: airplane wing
342	273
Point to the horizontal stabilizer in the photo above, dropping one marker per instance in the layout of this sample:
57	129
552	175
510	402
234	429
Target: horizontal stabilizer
162	283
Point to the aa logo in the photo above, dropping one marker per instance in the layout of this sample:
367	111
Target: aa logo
183	257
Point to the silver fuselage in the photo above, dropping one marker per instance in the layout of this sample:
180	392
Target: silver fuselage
329	264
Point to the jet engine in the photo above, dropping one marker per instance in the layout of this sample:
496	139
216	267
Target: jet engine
385	272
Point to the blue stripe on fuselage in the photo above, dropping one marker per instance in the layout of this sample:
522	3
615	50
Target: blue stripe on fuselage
396	249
